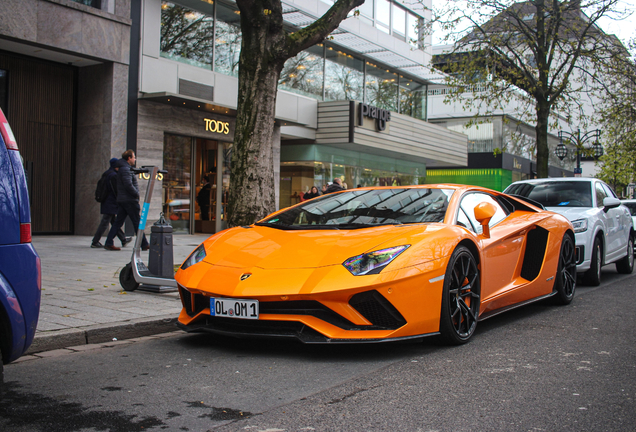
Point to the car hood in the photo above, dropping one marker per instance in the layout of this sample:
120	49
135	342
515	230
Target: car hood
270	248
574	213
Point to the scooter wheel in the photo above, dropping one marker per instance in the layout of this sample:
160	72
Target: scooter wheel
127	278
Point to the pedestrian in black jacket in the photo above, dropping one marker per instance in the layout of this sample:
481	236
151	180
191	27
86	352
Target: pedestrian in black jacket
336	186
127	199
108	208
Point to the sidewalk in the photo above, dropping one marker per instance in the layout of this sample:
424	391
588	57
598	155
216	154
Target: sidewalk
82	301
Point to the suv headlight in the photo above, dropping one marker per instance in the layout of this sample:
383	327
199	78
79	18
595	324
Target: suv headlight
373	262
195	257
579	225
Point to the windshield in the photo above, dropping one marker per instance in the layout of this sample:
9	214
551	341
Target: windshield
364	208
555	194
631	207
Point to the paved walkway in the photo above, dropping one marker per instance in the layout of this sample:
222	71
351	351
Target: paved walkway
82	301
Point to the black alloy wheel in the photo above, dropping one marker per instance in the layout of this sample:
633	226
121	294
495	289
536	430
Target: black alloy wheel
565	280
460	299
592	277
626	264
127	278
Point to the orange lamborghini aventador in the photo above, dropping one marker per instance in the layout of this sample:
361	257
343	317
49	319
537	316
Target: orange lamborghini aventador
379	264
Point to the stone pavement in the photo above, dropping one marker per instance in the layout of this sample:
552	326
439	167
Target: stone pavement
82	301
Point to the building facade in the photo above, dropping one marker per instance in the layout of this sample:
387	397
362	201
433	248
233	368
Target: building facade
63	87
83	80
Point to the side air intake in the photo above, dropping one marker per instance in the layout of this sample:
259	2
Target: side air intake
536	244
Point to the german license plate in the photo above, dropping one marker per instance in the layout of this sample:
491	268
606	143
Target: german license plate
234	308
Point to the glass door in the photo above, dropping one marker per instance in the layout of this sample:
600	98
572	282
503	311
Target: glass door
177	157
206	173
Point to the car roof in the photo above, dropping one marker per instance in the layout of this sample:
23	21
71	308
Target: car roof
557	180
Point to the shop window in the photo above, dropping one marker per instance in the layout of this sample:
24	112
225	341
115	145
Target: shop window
303	73
177	154
345	76
187	36
381	88
412	98
228	40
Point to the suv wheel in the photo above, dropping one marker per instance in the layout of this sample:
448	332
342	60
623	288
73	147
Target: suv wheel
592	277
626	264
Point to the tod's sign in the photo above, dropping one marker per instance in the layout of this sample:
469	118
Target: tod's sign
381	116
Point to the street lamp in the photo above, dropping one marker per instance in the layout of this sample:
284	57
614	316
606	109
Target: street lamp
561	150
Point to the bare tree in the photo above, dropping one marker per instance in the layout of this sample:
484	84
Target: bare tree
542	56
266	45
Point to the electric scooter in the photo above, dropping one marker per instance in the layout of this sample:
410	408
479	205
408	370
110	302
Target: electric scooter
135	274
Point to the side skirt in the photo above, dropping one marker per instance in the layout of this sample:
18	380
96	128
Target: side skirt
514	306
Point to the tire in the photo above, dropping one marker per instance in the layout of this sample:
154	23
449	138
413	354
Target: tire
592	277
626	264
565	280
127	279
460	298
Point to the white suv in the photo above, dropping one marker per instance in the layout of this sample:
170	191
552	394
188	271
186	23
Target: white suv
603	228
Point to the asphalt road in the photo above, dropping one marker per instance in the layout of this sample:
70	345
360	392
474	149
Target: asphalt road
538	368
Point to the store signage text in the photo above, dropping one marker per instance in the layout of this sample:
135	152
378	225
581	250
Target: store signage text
217	126
516	164
381	116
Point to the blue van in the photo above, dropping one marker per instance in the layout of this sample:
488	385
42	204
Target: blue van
20	270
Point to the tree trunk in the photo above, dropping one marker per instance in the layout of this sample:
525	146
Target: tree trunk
251	193
541	129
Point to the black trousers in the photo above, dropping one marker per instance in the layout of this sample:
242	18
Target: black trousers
132	210
107	219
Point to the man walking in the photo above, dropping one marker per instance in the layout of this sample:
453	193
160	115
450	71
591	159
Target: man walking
108	207
336	186
127	200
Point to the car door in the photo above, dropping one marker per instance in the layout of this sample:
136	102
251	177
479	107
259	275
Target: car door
622	220
610	222
500	252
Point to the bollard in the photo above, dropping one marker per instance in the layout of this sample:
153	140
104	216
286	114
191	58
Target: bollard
160	259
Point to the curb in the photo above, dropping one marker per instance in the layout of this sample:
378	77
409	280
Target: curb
100	333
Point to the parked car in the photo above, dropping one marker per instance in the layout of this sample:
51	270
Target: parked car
631	206
604	228
20	271
379	264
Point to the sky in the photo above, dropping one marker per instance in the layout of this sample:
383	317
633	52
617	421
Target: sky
624	29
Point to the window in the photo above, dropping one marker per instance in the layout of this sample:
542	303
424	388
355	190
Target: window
228	40
187	36
413	29
398	21
412	98
383	15
600	194
381	88
609	191
345	76
464	221
94	3
4	86
303	74
471	200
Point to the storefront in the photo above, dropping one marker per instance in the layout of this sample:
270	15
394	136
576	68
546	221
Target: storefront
195	148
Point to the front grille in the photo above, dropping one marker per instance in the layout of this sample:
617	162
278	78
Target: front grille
306	307
199	304
377	310
261	328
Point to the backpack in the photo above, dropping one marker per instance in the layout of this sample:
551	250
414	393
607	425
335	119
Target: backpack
101	192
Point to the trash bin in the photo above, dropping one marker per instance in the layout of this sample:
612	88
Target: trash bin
161	259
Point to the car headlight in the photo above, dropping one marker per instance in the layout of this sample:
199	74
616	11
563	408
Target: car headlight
195	257
373	262
579	225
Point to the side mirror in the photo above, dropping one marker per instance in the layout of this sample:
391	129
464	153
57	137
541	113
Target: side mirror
610	203
483	213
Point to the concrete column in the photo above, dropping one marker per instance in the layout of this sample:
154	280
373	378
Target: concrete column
101	134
